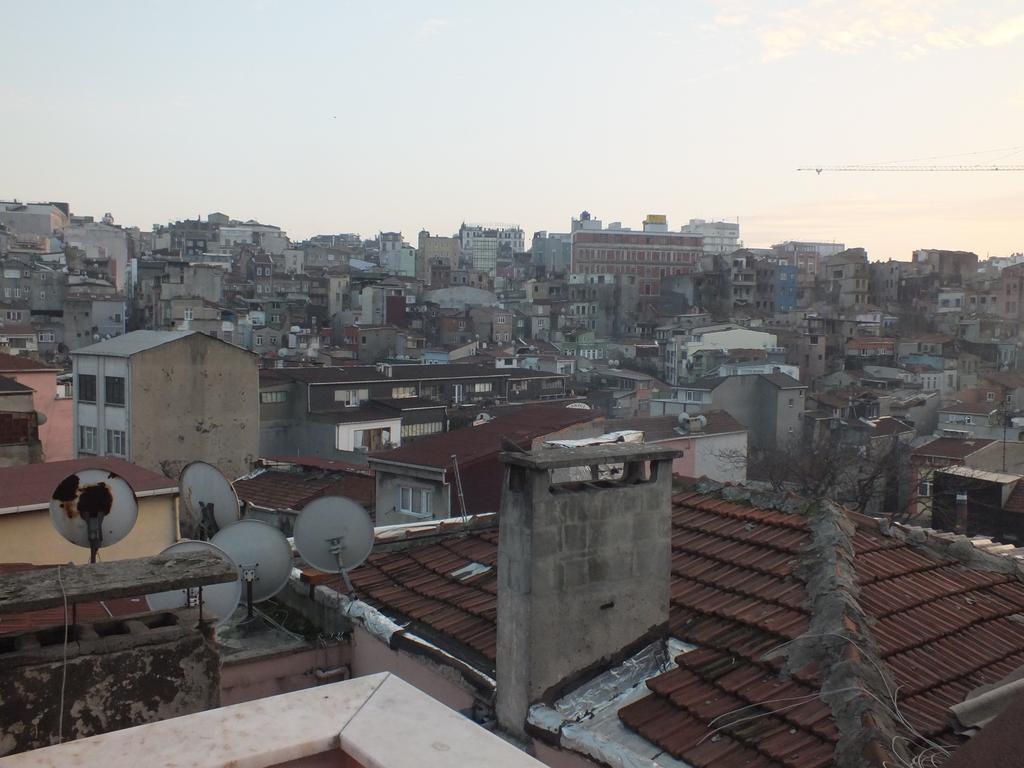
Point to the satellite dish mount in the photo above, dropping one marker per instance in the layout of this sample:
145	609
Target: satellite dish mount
334	535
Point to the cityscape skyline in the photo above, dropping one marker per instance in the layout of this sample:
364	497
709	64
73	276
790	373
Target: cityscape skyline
407	119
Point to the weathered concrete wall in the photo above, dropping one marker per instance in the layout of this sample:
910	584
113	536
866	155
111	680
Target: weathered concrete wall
389	483
582	575
261	675
195	399
119	674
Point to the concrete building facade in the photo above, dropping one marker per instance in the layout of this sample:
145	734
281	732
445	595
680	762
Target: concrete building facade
162	399
643	256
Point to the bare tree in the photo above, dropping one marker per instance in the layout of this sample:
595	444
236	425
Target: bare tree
865	477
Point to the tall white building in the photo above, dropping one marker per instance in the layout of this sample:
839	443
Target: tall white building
481	242
719	236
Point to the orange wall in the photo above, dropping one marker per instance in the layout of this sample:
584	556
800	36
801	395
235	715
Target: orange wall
56	434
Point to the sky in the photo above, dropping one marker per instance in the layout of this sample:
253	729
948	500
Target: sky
325	117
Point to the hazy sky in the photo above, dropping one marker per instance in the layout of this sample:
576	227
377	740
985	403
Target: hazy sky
337	116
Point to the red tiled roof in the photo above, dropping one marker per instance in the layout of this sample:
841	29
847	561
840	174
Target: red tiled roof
887	425
279	489
22	364
417	584
472	444
33	484
739	590
981	409
15	623
951	447
317	463
940	629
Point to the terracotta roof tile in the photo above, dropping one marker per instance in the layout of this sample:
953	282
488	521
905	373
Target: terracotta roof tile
33	484
280	489
737	592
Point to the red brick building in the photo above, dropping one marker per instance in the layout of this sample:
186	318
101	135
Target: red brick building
643	257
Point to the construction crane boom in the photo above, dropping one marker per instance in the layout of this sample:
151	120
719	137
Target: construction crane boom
905	168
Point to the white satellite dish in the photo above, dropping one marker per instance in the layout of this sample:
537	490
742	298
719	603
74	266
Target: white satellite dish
217	600
93	508
208	501
263	555
334	534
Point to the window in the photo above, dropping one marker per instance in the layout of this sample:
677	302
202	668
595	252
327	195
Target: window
259	341
414	501
45	337
273	341
275	318
113	390
483	386
86	388
791	402
924	488
419	430
350	396
273	397
401	392
115	442
188	313
87	439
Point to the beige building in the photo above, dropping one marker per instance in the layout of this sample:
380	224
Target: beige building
26	535
162	399
435	248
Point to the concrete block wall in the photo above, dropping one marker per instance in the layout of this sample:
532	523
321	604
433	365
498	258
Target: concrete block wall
583	574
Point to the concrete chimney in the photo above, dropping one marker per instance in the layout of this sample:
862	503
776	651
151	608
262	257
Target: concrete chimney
961	513
583	567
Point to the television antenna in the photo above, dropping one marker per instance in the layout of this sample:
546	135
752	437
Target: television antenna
218	599
335	535
208	501
263	555
93	508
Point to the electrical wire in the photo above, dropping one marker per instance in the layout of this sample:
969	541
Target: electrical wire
64	663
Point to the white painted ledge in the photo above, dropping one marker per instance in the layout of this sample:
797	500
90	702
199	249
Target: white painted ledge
378	720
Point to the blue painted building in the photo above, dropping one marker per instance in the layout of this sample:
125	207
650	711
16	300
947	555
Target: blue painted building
785	287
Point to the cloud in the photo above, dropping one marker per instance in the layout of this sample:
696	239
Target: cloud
909	28
432	27
1006	31
730	19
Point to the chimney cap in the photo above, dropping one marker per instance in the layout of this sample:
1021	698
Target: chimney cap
557	458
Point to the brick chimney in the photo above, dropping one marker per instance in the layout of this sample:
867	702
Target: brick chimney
583	567
961	513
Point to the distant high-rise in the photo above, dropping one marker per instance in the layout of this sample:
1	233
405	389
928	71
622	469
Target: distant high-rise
481	243
719	236
552	250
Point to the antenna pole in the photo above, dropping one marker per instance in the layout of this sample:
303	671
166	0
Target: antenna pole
249	574
458	486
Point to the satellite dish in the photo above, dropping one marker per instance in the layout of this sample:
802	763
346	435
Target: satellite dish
263	555
93	508
334	534
208	501
219	600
